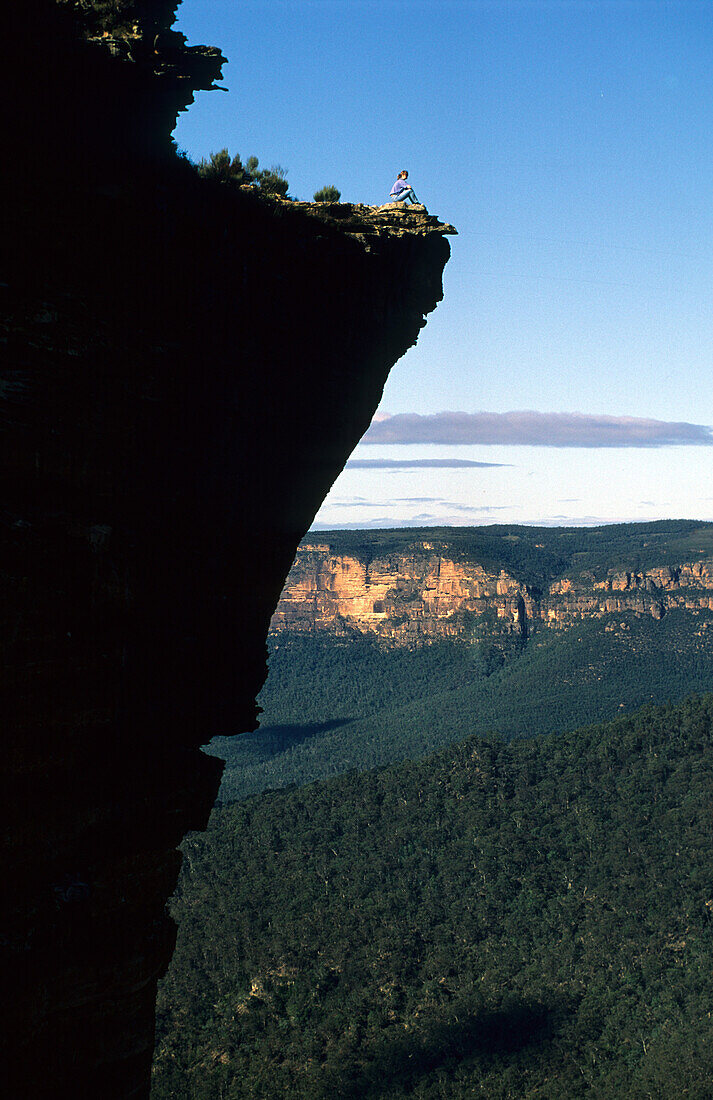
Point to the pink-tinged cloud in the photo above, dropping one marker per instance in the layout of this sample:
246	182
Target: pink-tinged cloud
536	429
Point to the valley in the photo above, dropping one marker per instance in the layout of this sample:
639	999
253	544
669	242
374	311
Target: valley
383	649
488	873
510	920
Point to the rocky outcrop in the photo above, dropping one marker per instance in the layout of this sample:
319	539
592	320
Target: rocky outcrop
184	370
416	597
403	598
370	224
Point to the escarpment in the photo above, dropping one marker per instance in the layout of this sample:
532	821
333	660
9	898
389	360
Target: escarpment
422	594
185	370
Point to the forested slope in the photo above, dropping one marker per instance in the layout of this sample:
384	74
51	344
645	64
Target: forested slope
334	706
505	919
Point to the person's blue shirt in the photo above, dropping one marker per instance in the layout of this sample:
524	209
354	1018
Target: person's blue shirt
402	191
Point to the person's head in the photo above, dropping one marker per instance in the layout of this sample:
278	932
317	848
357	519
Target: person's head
403	175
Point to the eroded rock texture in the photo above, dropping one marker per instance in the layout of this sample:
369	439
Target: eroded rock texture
425	593
185	370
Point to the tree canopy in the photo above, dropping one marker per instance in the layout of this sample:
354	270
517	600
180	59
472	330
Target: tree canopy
223	168
330	193
505	919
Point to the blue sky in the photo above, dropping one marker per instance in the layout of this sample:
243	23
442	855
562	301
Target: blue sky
571	144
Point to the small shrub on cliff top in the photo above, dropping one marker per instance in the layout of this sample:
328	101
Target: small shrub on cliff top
273	180
221	168
330	193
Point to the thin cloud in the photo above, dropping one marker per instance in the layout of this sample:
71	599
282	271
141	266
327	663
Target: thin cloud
536	429
451	514
453	505
471	509
415	463
436	520
423	519
579	521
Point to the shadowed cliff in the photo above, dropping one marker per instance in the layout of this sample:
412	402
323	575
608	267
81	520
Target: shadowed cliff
185	370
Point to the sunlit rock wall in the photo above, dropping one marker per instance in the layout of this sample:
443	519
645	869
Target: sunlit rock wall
421	595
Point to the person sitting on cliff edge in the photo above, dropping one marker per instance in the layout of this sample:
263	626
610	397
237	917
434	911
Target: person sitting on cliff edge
402	191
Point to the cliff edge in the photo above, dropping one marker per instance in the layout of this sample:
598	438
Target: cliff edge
425	592
185	370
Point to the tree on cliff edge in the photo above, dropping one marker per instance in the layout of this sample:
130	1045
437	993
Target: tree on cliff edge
224	169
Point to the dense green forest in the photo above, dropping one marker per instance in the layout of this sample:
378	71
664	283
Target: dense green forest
528	913
331	706
507	919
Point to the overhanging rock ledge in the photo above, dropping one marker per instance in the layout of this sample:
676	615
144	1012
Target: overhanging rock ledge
185	369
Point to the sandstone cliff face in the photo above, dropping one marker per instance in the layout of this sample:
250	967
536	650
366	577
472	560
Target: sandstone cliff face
417	597
184	370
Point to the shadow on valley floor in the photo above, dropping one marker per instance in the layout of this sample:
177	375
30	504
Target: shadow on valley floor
443	1045
268	742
